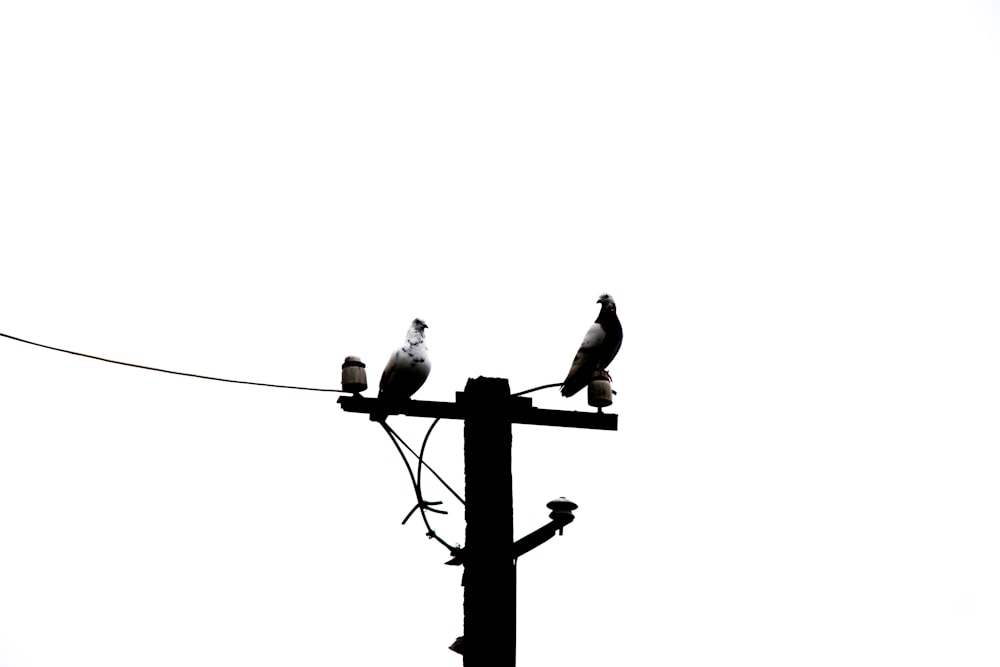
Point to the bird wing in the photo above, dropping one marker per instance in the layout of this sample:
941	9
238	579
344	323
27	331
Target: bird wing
584	363
389	373
405	373
595	336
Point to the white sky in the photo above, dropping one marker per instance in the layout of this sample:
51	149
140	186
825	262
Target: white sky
794	204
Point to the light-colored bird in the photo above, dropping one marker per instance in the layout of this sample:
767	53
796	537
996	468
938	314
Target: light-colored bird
408	366
599	347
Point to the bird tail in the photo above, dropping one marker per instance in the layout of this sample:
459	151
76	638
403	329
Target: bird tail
569	389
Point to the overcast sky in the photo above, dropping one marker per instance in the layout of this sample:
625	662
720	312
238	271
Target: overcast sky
795	206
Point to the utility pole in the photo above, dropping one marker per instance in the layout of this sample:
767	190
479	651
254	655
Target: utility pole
490	589
489	410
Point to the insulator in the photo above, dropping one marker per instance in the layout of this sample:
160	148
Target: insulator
562	512
599	390
352	375
561	506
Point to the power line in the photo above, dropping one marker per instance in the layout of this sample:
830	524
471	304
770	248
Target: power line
544	386
163	370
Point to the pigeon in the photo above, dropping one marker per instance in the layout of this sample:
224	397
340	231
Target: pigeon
408	366
599	347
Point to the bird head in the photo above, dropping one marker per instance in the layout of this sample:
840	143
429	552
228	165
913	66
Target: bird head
606	301
415	335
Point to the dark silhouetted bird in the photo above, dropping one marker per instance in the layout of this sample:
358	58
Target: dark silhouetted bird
599	347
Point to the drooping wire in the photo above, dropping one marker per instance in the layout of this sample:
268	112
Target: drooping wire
544	386
422	505
420	457
423	448
421	463
162	370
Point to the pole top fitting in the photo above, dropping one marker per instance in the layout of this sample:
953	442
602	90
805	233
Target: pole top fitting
561	508
599	390
352	375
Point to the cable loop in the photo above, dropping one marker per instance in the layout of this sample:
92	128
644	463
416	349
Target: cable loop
421	503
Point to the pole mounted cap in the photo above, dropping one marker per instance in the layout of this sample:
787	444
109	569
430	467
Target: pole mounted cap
352	375
599	390
561	507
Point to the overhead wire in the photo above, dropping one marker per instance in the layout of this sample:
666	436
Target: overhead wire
544	386
163	370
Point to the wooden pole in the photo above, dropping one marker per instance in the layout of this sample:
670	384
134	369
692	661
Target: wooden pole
490	587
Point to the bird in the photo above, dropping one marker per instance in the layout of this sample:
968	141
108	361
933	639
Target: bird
408	366
599	347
